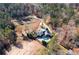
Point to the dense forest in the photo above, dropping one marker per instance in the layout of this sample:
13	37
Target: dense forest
60	14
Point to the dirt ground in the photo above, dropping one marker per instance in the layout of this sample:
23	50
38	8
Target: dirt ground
29	48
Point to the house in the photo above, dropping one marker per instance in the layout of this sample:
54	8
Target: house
34	25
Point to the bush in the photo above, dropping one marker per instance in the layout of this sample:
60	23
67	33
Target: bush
52	44
42	51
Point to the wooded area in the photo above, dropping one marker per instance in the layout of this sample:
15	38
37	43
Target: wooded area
62	19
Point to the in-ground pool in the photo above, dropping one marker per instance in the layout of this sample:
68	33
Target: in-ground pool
44	35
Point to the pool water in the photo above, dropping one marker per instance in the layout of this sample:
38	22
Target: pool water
44	38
